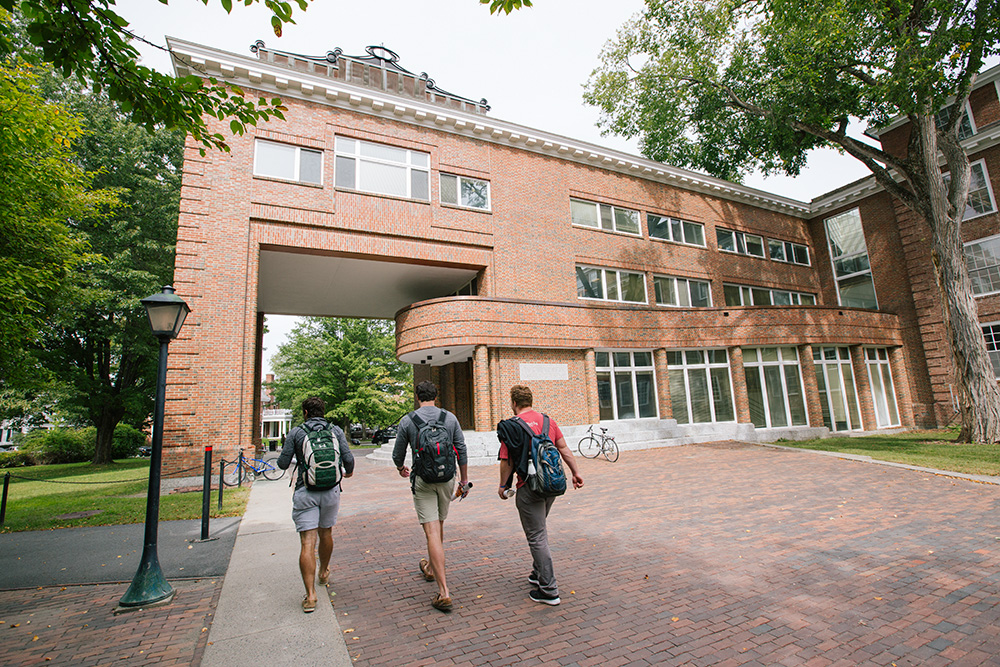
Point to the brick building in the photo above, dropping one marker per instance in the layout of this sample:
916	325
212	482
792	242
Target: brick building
669	305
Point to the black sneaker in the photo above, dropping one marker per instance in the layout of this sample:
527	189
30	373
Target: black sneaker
544	598
533	580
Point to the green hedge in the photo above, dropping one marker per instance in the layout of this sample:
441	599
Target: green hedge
66	445
17	459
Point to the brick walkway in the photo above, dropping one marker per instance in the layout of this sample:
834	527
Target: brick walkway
722	554
75	625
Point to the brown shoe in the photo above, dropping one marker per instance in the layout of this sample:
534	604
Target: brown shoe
324	579
440	603
425	569
309	606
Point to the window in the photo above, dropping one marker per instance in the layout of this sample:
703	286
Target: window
746	295
837	394
682	292
740	242
604	216
980	200
774	387
883	391
849	254
982	258
626	385
992	334
464	191
700	387
786	251
287	162
678	231
966	128
381	169
610	285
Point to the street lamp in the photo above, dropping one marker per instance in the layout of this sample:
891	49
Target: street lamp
166	312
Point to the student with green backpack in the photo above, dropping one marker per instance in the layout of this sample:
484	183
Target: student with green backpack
323	458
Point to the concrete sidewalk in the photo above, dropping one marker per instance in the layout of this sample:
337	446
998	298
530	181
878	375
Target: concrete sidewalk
259	619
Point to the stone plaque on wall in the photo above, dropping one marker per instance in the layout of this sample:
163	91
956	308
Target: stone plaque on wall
544	372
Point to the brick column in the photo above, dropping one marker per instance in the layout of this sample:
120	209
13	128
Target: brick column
739	385
663	384
481	388
901	383
258	361
864	388
590	377
810	387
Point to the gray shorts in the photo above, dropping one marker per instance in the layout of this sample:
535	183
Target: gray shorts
315	509
432	500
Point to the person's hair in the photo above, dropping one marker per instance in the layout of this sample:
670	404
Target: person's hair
521	396
426	391
314	407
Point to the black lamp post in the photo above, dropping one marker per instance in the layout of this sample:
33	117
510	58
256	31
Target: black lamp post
166	312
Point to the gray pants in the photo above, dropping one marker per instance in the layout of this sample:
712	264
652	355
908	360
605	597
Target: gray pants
533	509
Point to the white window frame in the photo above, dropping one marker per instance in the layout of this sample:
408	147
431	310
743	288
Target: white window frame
298	150
677	281
758	364
788	249
705	366
989	189
992	338
996	267
878	362
458	191
967	112
740	243
614	217
796	297
411	165
618	284
833	260
632	370
819	359
675	224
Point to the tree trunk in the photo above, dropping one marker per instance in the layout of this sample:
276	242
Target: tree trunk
106	422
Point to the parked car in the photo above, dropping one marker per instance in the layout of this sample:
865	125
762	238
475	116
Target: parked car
145	450
384	435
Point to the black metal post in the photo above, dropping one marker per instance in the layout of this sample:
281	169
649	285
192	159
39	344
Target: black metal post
222	468
3	504
206	493
149	586
239	471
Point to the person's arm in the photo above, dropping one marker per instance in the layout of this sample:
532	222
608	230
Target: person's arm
567	456
505	476
346	455
287	451
458	440
399	449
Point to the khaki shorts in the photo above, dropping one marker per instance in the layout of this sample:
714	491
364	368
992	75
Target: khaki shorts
432	500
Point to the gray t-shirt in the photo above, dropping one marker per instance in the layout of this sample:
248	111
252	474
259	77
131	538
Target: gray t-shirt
293	446
406	434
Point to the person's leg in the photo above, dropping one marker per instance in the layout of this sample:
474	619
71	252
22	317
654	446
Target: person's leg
329	508
325	552
533	510
307	562
434	532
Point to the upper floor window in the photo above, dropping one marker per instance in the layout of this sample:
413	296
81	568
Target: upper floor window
610	284
786	251
465	191
678	231
980	201
740	242
966	128
604	216
287	162
849	254
746	295
982	258
992	334
381	169
670	291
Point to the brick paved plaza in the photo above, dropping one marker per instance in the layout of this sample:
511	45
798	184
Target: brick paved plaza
720	554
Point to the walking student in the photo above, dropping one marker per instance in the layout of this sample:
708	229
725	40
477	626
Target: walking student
323	457
533	508
435	439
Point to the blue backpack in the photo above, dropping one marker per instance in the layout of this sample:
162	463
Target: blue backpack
545	472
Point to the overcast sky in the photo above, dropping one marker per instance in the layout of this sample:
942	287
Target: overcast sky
530	65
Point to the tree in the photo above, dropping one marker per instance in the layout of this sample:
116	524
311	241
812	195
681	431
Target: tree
41	188
350	364
731	85
98	346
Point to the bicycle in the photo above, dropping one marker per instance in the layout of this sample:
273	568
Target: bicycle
598	443
245	469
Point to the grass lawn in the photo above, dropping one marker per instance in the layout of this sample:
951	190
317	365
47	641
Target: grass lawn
118	490
928	449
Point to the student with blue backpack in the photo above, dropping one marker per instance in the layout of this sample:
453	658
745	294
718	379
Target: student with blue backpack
532	445
435	439
323	458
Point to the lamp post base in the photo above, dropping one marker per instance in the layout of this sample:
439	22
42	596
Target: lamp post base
122	609
149	586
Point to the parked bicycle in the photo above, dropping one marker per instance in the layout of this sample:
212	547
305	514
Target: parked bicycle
598	443
245	469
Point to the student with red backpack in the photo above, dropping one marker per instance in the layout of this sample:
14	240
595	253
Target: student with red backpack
323	458
531	445
435	439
